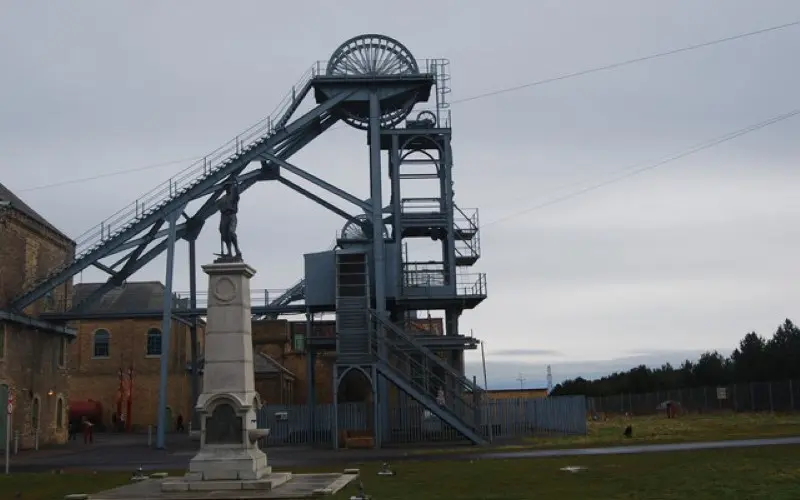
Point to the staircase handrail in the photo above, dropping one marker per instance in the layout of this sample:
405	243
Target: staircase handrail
467	402
424	350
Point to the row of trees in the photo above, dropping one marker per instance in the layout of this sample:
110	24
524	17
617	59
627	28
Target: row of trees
755	360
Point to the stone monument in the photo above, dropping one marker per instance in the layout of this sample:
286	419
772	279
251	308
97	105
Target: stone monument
229	456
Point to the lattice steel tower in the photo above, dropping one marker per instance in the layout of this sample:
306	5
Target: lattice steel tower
372	83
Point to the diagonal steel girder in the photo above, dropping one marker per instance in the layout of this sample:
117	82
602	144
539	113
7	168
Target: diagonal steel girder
323	202
236	164
129	268
366	207
184	230
151	235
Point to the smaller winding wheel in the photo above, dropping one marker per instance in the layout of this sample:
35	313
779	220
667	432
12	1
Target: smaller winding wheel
373	55
354	231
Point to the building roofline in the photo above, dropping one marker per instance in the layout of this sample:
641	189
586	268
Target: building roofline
527	389
16	204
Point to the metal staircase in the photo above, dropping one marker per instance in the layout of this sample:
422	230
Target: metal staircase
454	399
428	358
352	305
272	134
365	337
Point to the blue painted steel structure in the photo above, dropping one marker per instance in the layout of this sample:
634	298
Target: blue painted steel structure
372	83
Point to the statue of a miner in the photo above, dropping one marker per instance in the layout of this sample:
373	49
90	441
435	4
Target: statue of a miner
228	208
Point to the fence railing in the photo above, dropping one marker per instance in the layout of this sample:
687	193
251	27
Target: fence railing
411	423
782	396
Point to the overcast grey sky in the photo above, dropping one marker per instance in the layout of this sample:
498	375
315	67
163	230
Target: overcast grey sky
685	257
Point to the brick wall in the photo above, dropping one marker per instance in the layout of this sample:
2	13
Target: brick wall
30	363
29	252
31	368
97	378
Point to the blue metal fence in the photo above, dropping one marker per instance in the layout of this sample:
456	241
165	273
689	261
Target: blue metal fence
410	423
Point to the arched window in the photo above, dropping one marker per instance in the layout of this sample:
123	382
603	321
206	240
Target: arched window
154	342
101	341
60	413
35	413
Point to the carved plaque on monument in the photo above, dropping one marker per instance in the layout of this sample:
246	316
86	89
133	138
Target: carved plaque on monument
224	426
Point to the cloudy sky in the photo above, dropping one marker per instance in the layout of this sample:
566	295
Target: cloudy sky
685	257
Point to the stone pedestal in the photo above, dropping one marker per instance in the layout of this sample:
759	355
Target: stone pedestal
229	456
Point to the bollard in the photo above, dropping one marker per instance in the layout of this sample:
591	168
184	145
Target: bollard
36	439
149	436
16	442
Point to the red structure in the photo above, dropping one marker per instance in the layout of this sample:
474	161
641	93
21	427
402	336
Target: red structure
125	398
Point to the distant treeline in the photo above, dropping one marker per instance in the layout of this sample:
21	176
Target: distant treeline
755	360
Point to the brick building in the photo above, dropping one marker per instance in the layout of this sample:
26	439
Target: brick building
107	351
33	352
280	360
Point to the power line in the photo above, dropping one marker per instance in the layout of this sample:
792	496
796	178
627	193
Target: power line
486	94
694	149
627	62
110	174
521	379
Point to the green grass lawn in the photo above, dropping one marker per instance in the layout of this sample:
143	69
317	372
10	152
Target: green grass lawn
659	429
750	473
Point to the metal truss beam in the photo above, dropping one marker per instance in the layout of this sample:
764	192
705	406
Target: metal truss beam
309	121
127	270
366	207
141	243
103	268
323	202
183	230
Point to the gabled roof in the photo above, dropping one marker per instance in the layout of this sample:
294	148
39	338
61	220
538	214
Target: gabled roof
16	203
134	296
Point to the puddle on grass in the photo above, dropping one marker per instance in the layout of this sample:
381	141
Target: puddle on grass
573	468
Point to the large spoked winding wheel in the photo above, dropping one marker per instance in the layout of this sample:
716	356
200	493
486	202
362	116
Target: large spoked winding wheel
373	56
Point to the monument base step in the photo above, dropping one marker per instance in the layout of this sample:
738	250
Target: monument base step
281	486
192	483
229	464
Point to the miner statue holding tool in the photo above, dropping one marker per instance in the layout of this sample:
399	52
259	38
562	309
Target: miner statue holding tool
228	207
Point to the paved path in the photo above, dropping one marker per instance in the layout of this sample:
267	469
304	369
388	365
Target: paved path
117	452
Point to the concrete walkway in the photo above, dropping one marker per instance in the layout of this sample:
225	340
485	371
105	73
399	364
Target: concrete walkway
129	452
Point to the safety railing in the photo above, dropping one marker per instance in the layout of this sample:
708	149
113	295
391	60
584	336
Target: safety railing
471	284
424	275
468	236
466	219
455	395
433	274
259	297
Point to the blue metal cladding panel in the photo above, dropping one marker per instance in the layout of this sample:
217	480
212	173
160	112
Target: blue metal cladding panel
392	271
320	271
